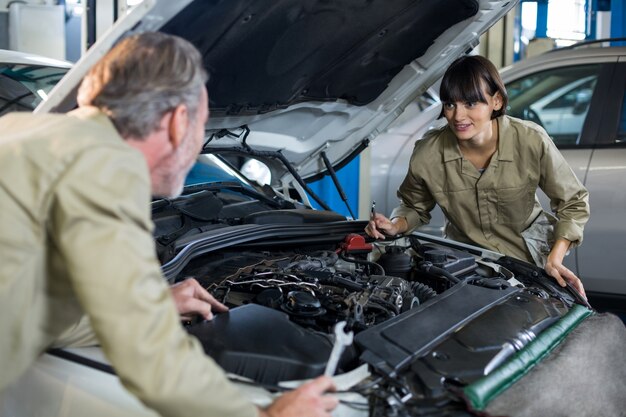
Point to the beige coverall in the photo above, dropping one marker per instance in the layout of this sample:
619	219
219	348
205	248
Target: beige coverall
75	238
498	209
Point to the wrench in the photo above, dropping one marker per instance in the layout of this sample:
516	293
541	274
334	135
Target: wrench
342	340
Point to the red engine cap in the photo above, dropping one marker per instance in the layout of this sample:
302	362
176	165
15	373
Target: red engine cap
355	243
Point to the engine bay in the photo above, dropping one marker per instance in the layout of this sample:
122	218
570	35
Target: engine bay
426	317
318	288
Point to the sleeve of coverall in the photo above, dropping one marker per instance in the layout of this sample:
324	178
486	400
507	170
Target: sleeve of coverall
416	201
569	199
101	223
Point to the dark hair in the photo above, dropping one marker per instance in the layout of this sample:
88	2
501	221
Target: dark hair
465	79
142	78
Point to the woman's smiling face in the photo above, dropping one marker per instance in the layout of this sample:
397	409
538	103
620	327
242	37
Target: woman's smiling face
472	120
472	94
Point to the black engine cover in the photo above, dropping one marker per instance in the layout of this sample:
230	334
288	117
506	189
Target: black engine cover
461	335
262	344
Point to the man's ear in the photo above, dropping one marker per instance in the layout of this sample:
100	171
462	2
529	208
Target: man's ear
178	125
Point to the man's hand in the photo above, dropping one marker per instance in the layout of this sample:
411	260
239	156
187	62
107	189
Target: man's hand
306	401
192	299
380	226
555	268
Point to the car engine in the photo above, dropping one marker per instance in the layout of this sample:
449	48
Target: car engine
426	317
317	289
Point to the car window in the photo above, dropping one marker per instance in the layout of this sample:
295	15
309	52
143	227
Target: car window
23	87
556	99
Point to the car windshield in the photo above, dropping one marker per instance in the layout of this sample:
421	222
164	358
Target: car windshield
23	87
212	169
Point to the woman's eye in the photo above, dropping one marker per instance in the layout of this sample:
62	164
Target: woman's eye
470	104
448	106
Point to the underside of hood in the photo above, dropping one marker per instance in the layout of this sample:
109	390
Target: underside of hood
307	77
265	55
313	78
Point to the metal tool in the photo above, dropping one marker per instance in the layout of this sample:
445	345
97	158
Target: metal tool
342	340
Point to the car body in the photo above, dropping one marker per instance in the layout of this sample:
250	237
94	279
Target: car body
578	95
27	79
428	314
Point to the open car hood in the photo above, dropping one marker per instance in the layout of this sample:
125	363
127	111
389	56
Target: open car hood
307	77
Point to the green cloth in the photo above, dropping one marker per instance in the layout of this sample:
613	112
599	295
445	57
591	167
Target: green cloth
75	239
481	392
492	209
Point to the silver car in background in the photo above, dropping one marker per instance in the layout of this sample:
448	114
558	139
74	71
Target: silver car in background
26	79
577	95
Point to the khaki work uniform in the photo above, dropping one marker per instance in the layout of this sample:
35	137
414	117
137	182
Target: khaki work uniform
498	209
75	238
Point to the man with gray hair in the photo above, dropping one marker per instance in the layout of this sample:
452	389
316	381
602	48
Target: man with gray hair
75	233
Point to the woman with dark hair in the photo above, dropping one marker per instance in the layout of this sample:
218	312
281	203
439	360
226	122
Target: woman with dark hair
483	169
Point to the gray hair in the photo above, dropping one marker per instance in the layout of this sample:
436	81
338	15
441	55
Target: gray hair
141	79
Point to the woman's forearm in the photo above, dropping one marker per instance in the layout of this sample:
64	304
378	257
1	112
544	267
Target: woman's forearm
559	250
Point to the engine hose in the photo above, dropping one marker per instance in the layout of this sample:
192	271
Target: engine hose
423	292
429	267
496	284
345	283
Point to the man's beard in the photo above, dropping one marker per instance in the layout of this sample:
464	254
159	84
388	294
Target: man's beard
175	170
178	191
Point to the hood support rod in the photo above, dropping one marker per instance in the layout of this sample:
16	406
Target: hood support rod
272	154
338	186
277	155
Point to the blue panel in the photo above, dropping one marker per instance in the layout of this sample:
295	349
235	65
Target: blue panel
604	5
325	188
591	6
542	19
618	19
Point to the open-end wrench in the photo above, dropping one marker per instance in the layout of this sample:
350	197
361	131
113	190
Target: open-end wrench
342	340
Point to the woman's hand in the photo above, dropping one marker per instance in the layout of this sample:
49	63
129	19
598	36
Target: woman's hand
380	226
555	268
